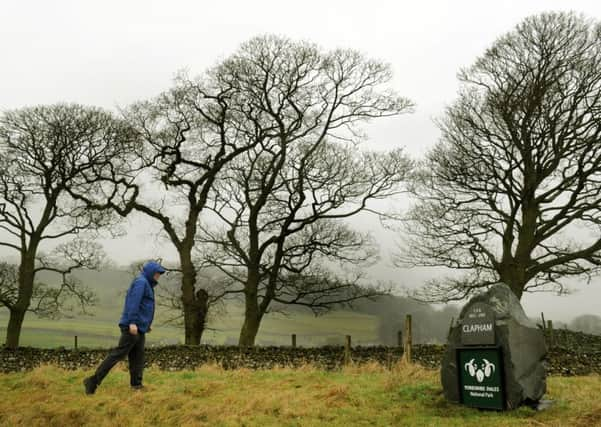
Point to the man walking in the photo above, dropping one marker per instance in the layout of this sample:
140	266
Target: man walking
135	322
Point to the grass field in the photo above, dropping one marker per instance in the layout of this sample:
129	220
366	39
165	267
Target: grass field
357	396
101	330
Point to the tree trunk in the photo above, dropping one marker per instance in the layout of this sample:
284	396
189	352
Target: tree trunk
252	313
195	303
514	271
193	330
514	276
17	311
202	310
191	324
249	330
195	317
13	331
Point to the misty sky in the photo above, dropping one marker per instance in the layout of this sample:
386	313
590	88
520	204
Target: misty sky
109	53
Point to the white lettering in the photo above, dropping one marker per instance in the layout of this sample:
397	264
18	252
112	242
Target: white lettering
487	395
475	387
487	327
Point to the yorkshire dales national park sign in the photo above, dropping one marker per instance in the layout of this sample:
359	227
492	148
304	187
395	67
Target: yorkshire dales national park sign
481	378
495	355
480	364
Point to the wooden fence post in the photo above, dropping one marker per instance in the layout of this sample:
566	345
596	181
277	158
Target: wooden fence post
293	340
542	316
347	350
407	344
75	342
399	339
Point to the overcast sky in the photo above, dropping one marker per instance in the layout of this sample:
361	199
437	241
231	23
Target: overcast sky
109	53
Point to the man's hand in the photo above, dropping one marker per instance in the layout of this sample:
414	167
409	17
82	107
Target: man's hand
149	329
133	329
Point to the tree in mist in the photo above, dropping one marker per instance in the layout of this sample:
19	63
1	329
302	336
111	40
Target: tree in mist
54	301
189	134
277	229
516	175
429	324
45	153
587	323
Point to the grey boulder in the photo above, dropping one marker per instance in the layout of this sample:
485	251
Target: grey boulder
523	346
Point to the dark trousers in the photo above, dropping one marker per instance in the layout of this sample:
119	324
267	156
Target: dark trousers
131	346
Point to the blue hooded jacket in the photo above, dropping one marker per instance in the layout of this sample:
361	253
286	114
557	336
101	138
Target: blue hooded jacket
139	302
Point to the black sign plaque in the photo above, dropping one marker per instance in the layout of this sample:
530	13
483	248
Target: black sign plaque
478	326
481	377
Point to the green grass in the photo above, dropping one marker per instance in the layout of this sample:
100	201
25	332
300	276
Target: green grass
110	285
101	330
209	396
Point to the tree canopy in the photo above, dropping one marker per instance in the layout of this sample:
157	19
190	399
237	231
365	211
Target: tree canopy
516	174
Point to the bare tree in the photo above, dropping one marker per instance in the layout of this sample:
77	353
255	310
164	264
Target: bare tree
44	152
189	136
60	300
277	229
512	191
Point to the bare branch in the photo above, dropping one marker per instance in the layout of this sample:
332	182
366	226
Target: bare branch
517	172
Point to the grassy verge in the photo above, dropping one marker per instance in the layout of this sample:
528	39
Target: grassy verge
365	395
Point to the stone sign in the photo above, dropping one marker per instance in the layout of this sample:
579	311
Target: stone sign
478	326
481	380
521	360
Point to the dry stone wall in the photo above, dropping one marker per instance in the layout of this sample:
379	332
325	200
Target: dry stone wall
571	354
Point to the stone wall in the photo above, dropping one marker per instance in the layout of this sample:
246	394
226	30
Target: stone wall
571	354
229	357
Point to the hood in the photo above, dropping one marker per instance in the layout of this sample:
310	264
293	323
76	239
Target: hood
150	269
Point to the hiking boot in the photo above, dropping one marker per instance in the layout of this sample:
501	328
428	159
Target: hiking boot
90	385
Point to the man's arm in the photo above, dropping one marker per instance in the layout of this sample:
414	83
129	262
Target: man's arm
133	305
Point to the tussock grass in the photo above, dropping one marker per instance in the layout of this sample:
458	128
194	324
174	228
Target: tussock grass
405	395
